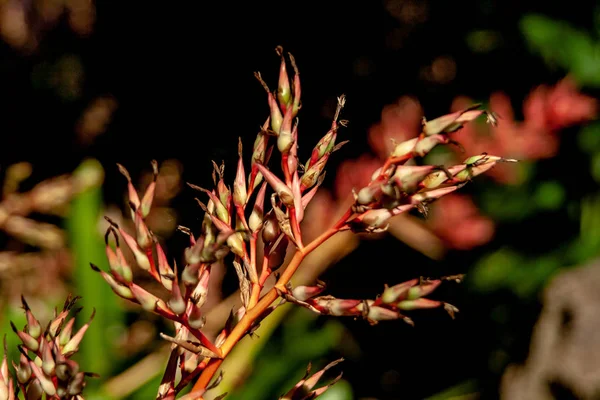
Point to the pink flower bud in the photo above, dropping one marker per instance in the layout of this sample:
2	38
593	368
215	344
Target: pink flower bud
376	314
427	143
45	382
397	292
282	190
133	195
407	177
33	326
311	176
146	202
336	307
432	194
73	345
423	289
276	117
240	195
146	299
23	370
284	93
404	148
144	237
304	293
416	304
256	217
451	122
28	341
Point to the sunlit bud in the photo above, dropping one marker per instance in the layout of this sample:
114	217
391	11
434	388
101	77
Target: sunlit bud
370	193
144	237
189	275
337	307
46	383
65	333
284	93
48	362
193	254
140	256
259	155
224	196
427	143
436	178
285	139
23	370
479	167
304	293
451	122
201	291
132	193
33	326
195	317
392	294
376	314
239	185
311	176
423	289
296	86
404	148
73	345
432	194
256	217
276	117
28	341
236	244
416	304
120	289
146	202
407	177
146	299
176	302
164	270
282	190
377	218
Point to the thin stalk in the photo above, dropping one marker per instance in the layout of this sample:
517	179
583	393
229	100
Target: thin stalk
255	312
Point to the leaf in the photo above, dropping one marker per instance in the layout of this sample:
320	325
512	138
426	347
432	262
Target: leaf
577	53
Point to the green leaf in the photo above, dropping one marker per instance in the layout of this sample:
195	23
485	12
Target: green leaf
87	246
589	138
564	46
549	195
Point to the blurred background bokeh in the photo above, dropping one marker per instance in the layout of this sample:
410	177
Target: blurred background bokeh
84	85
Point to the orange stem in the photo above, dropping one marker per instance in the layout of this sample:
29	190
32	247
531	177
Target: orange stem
255	312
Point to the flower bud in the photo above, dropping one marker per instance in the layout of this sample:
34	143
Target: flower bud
423	289
426	144
146	202
336	307
397	292
304	293
256	217
404	148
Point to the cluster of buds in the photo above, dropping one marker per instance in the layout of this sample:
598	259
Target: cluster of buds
303	390
390	305
45	367
187	290
397	187
239	226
